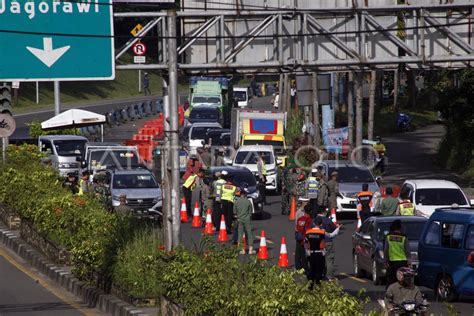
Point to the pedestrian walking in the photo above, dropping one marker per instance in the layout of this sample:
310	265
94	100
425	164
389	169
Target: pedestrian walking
123	209
293	96
330	257
333	190
389	204
364	202
227	202
396	251
303	223
146	84
243	213
316	250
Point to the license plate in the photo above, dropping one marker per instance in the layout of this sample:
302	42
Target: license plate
352	202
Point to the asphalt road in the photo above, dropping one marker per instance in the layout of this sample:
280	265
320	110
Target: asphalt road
25	292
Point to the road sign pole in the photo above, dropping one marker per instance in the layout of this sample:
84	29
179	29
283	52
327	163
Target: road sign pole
139	80
4	149
174	126
57	105
37	93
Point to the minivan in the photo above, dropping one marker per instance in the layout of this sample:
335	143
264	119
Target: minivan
446	253
63	151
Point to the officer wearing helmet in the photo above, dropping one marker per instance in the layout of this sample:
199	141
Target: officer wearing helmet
404	290
380	149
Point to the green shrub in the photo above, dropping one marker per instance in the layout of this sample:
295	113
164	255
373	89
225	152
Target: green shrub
78	223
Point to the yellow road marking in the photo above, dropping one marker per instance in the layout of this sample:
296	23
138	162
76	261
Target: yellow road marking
266	239
353	278
47	285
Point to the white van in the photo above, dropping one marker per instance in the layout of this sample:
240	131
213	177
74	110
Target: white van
63	151
242	97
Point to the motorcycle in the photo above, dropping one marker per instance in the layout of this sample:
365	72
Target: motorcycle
406	308
404	122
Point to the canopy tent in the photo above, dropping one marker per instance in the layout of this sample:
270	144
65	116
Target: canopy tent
74	118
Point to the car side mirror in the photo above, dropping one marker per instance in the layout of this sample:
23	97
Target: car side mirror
378	178
366	237
78	159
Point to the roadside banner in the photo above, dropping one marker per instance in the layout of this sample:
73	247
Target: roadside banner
335	139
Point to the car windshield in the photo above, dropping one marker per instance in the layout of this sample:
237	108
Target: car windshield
204	99
352	174
278	145
134	181
114	158
251	157
439	197
207	114
69	147
199	132
412	230
240	95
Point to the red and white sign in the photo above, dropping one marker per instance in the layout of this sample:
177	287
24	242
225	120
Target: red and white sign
139	49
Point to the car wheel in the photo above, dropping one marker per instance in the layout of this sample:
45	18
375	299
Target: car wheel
375	273
355	261
445	290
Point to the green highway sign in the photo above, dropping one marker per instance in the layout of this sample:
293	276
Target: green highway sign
49	40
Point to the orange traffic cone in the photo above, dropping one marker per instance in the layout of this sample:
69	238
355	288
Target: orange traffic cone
262	250
196	216
333	215
283	259
184	213
209	228
223	231
292	215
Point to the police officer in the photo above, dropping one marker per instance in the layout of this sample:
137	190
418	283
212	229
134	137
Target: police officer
188	187
218	183
312	185
227	202
329	226
123	209
243	214
396	252
316	250
262	176
405	207
379	147
333	190
84	183
207	195
364	202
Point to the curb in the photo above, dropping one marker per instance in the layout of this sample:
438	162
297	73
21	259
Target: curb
92	297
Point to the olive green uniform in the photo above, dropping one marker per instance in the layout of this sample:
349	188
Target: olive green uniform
243	212
123	210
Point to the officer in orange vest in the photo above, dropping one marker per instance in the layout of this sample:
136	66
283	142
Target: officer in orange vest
315	246
364	202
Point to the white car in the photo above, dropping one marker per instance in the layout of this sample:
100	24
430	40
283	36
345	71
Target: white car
197	134
247	156
242	96
428	195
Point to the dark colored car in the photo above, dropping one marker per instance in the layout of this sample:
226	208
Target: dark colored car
205	114
446	253
213	136
243	177
368	243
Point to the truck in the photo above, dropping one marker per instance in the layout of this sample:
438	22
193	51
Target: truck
210	91
254	127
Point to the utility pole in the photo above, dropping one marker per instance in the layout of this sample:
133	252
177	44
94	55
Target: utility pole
174	127
317	128
396	85
57	101
350	109
370	124
165	176
280	93
359	119
284	97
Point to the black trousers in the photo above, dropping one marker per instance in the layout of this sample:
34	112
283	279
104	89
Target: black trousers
228	211
317	266
188	195
262	184
300	257
216	214
393	266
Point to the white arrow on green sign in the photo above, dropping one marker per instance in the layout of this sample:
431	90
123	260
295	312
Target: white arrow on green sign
52	40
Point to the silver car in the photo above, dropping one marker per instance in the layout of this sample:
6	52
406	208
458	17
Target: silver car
139	185
63	151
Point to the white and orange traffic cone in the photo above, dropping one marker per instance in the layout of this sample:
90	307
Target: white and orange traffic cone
292	215
283	259
223	231
209	228
196	216
333	215
183	212
262	250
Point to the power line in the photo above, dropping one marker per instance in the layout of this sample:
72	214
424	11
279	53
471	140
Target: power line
184	37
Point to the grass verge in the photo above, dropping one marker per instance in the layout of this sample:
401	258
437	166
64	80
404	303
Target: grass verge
385	121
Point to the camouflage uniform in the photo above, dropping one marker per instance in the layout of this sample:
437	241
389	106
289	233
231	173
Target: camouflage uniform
300	187
283	175
290	190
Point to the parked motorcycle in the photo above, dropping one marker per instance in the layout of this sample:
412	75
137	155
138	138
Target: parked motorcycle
404	123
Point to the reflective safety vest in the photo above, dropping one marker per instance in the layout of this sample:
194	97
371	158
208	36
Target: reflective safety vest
364	199
218	184
190	182
228	193
313	185
315	238
264	168
407	208
81	190
396	247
